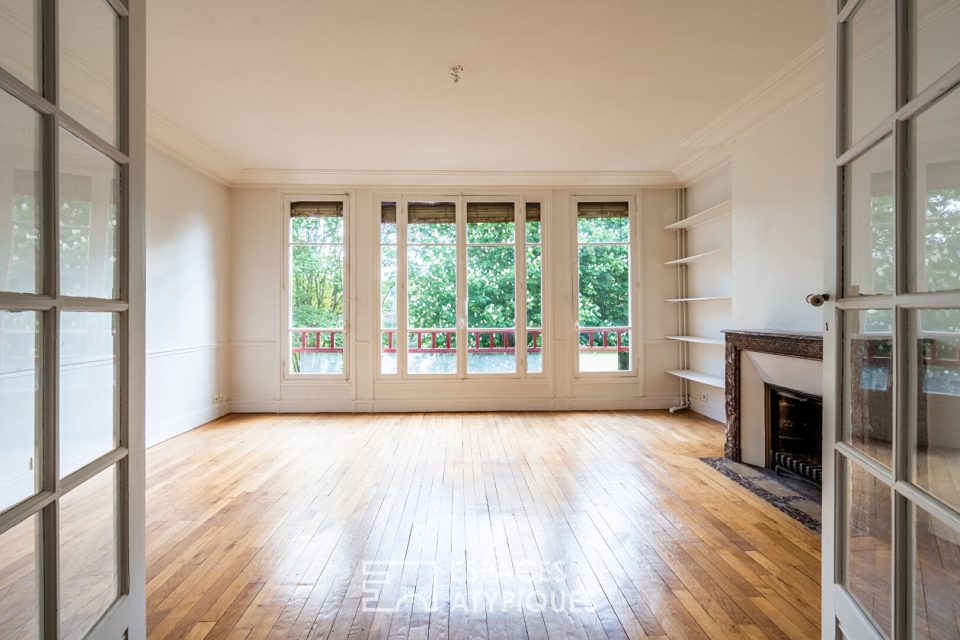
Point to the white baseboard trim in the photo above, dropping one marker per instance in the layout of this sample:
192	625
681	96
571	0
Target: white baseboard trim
171	428
417	405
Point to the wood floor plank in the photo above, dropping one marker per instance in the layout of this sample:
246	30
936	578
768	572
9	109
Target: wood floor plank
489	525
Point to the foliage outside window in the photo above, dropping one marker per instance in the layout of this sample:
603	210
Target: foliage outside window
491	287
316	256
603	260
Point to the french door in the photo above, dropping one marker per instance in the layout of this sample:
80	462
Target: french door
891	546
71	319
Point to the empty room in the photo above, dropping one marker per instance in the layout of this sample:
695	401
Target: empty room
447	319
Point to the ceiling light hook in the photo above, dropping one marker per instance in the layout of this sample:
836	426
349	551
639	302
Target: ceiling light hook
456	72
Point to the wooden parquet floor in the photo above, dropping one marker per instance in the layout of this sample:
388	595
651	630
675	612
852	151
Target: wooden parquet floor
482	525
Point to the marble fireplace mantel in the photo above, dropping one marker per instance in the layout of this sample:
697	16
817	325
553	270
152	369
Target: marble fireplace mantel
796	344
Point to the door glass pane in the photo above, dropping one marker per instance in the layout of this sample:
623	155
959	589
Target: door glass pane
19	397
20	220
937	575
19	40
870	67
88	387
19	586
867	557
936	166
870	222
491	288
88	553
431	288
868	382
935	403
936	24
388	288
88	220
89	65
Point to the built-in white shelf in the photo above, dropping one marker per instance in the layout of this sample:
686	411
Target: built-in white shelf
696	339
698	376
699	299
707	255
721	210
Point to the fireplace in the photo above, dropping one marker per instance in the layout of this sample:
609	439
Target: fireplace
794	434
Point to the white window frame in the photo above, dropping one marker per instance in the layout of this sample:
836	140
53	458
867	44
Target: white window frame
286	291
633	217
401	341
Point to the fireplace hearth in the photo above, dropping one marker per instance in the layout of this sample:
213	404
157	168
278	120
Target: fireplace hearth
794	434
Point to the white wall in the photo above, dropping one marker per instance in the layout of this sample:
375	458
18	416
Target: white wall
778	221
188	302
257	250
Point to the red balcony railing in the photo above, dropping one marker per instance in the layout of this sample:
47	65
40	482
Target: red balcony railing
599	339
605	339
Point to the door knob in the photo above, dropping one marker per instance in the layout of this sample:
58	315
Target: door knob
817	299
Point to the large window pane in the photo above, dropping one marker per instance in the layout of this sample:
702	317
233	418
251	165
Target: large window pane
19	397
936	24
870	222
88	220
868	382
867	558
491	288
534	309
88	387
604	294
88	553
20	219
432	306
431	288
870	67
936	166
317	261
937	578
935	406
317	306
19	581
388	288
89	64
20	41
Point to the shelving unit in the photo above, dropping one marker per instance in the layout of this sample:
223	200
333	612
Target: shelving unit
686	339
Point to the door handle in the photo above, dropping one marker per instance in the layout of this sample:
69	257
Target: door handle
817	299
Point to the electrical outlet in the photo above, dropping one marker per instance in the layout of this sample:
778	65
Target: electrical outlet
702	396
217	399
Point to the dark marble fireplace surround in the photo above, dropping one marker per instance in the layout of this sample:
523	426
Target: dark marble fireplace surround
797	344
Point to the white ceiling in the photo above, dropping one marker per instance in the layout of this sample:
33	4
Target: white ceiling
549	85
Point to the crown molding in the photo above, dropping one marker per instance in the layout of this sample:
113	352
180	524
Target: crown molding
440	178
797	82
164	134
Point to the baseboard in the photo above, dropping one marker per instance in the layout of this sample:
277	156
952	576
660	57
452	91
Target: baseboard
171	428
417	405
